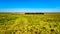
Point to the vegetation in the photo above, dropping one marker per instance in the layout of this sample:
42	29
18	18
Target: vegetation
12	23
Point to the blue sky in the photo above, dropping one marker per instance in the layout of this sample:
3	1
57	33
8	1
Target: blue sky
29	5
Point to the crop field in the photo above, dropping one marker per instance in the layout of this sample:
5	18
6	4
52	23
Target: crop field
12	23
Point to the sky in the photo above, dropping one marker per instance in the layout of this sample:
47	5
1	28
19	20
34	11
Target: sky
29	5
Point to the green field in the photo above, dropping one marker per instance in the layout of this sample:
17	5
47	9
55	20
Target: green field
12	23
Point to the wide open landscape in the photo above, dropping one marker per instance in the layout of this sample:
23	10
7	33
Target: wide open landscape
14	23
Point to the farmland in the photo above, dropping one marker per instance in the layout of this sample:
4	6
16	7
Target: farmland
12	23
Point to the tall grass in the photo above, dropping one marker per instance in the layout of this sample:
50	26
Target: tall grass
29	23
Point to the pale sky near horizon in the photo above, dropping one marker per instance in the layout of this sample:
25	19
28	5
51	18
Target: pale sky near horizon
29	5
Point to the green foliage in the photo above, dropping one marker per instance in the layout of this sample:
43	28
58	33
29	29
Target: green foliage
29	23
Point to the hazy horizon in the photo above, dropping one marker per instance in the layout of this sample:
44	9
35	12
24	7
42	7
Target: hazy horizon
29	5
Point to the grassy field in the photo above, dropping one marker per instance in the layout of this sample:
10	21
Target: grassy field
12	23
